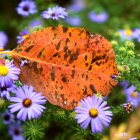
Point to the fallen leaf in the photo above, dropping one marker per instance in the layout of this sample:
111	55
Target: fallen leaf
66	64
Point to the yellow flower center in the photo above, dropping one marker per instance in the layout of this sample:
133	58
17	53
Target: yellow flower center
93	112
1	49
3	70
128	32
134	94
27	102
24	36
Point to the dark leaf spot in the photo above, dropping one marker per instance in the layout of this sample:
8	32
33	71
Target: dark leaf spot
92	88
53	74
58	45
64	78
73	73
29	48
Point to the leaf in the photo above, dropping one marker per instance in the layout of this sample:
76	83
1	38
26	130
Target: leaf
66	64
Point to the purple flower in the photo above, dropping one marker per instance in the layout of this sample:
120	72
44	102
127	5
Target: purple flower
7	117
54	13
22	35
27	102
77	5
23	62
98	17
124	84
25	8
16	132
5	91
35	23
136	34
95	111
8	73
114	77
74	21
126	34
3	40
132	95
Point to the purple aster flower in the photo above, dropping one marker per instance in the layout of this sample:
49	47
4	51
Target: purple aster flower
16	132
98	17
54	13
95	111
8	73
74	21
136	34
124	84
35	23
27	102
25	8
126	34
77	5
7	117
22	35
5	91
132	95
3	40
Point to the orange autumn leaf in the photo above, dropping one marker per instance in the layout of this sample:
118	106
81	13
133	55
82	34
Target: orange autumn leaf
66	64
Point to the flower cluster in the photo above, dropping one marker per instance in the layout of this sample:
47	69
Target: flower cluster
24	106
27	7
25	101
14	127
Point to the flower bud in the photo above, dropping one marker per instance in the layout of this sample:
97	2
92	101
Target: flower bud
128	107
131	53
129	44
114	43
126	68
2	102
122	49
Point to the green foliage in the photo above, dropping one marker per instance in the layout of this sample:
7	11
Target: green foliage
128	62
18	83
33	130
118	111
